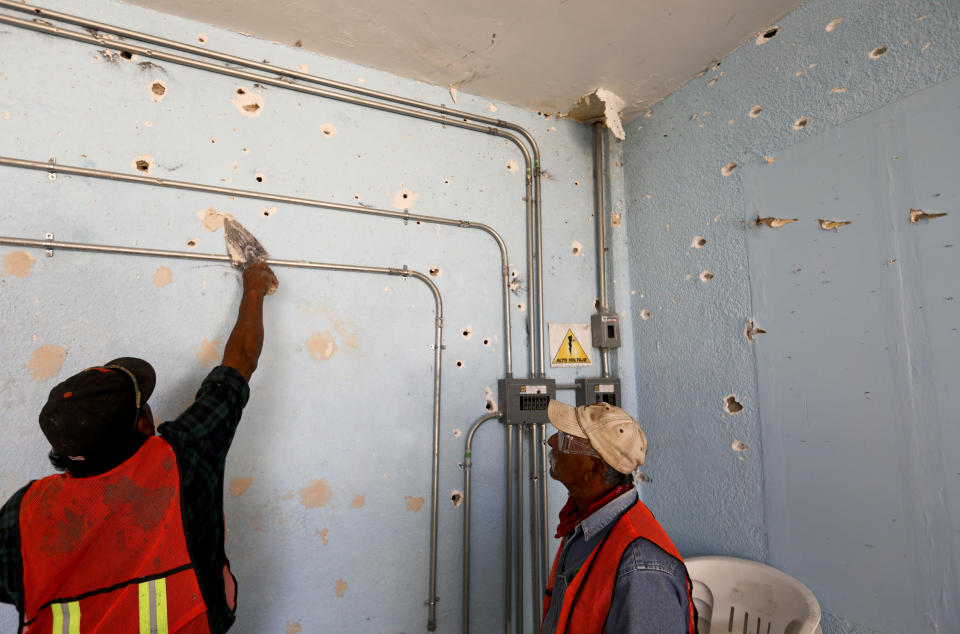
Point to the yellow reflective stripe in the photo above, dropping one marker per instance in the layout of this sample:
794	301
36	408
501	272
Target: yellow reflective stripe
73	610
69	610
144	589
161	589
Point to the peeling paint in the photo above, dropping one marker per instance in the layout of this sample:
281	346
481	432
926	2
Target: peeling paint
774	223
46	361
358	501
239	485
315	494
404	198
833	225
321	345
414	504
18	263
341	587
208	353
211	219
162	276
919	214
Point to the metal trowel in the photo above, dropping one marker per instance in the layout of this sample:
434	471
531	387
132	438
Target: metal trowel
242	247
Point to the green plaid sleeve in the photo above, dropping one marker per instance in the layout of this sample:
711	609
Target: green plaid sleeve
11	562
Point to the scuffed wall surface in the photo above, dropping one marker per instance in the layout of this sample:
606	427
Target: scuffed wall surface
715	473
328	482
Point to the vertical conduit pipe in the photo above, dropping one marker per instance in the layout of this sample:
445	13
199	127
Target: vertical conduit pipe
508	563
518	591
545	515
467	465
463	119
600	216
535	530
401	272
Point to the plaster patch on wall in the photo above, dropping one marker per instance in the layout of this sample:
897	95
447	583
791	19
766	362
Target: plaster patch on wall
833	225
158	90
247	102
832	24
731	405
46	361
293	628
919	214
18	263
358	501
211	219
239	485
414	504
5	114
348	334
208	352
698	242
645	314
456	496
321	345
750	330
491	403
341	587
492	107
774	223
576	247
404	199
315	494
727	169
706	276
513	166
144	164
616	219
601	105
162	276
328	129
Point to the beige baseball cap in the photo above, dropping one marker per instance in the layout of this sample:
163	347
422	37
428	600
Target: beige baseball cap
611	431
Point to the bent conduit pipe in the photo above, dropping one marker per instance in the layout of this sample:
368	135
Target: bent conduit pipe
467	465
532	179
294	200
401	272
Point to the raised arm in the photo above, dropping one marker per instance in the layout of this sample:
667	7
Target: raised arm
246	339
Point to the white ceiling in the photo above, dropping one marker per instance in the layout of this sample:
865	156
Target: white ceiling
539	54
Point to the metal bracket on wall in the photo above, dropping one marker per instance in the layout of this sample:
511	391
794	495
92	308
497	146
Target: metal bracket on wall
49	250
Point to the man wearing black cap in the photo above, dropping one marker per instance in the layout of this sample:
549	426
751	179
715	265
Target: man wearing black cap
616	569
131	536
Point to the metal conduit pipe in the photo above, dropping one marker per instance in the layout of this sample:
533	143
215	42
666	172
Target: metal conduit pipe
467	464
599	169
544	513
400	272
518	590
55	168
530	202
508	563
536	544
322	81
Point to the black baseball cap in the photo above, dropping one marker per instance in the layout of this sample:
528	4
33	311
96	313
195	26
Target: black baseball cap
93	409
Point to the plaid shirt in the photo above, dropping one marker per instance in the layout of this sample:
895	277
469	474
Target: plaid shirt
200	438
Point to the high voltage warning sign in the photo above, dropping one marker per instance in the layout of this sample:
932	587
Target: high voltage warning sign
569	352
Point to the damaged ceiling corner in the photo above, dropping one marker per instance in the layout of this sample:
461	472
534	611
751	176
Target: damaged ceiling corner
600	105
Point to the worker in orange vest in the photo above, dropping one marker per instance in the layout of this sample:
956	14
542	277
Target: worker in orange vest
616	569
130	537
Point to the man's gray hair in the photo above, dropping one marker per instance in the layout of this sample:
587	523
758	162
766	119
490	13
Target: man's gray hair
614	478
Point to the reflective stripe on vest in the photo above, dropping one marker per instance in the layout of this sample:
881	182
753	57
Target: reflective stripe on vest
112	546
66	618
587	599
153	607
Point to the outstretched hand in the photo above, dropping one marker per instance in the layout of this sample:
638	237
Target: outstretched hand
258	277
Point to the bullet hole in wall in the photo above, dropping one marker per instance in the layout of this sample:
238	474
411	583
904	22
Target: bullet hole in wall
706	276
833	24
259	178
576	183
739	445
645	314
241	91
467	332
878	52
158	88
731	405
768	35
486	342
435	271
801	123
727	169
191	242
143	166
126	54
755	111
698	242
456	497
202	38
459	363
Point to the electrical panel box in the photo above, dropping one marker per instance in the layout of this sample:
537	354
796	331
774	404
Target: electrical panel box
524	401
605	328
590	391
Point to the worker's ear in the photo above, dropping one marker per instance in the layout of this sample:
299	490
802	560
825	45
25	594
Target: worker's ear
596	470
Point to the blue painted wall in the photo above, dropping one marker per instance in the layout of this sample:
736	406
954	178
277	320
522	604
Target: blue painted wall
839	467
328	481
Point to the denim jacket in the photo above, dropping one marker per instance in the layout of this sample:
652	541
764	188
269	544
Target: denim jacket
650	593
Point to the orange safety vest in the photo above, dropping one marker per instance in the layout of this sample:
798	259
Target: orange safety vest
108	553
587	599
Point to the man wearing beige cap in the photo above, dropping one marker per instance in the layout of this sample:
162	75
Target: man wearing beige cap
616	569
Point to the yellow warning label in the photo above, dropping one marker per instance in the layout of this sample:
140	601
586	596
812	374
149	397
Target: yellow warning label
570	351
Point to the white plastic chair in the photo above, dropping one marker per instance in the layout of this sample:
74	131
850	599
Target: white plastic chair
747	597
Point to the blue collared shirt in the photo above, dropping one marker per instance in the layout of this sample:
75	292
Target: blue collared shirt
650	593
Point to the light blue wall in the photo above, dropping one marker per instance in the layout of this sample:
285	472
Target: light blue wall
845	476
360	420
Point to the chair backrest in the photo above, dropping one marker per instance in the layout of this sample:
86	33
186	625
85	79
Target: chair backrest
748	597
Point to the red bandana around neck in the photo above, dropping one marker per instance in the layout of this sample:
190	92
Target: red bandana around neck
570	517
